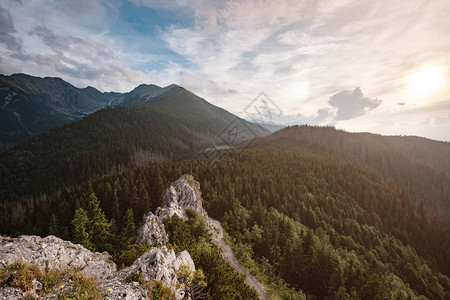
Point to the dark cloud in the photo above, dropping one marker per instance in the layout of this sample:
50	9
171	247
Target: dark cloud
6	32
351	104
401	103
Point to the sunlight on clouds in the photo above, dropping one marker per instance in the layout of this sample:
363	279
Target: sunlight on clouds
425	82
299	52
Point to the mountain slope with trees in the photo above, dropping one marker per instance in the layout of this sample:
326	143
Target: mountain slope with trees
421	165
304	223
175	125
31	105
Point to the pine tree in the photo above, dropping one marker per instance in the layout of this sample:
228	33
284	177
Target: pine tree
80	225
128	235
115	206
99	227
53	228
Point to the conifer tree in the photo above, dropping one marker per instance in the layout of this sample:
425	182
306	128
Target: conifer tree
53	228
128	235
80	225
99	227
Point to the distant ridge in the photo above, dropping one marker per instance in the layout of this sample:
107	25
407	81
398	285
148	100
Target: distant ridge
420	164
31	105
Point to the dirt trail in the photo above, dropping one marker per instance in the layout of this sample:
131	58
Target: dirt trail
217	235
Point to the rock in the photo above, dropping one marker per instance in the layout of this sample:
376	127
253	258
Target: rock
54	253
159	264
156	264
152	231
10	293
182	194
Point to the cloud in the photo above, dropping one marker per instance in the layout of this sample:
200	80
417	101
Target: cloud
216	89
78	8
352	104
86	47
297	51
81	61
6	31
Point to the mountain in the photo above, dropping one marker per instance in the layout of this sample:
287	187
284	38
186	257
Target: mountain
32	105
175	125
419	164
142	94
269	125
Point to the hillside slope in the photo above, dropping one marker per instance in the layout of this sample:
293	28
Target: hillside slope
32	105
173	126
301	222
419	164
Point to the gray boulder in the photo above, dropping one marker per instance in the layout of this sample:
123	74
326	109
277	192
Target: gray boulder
156	264
182	194
54	253
152	231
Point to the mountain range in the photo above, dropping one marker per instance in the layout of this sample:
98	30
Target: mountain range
32	105
312	212
151	124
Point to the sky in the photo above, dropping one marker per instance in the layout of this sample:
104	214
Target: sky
358	65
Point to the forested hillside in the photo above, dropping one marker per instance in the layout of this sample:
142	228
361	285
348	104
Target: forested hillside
304	223
421	165
173	126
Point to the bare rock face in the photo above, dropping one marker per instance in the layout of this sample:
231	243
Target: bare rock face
156	264
152	231
54	253
182	194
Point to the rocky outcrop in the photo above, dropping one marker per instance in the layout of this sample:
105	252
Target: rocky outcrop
183	194
152	231
156	264
52	253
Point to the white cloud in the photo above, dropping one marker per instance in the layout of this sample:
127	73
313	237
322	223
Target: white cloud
352	104
300	53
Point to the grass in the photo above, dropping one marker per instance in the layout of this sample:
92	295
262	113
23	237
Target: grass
49	280
20	275
135	276
158	291
82	288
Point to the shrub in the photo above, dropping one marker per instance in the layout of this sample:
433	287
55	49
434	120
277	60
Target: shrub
19	275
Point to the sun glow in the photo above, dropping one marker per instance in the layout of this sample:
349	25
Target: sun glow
425	81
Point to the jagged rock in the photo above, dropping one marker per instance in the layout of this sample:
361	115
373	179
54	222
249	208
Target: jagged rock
152	231
156	264
54	253
182	194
